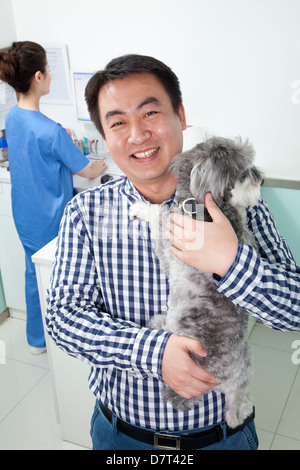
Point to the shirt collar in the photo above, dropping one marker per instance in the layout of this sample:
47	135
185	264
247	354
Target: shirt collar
132	194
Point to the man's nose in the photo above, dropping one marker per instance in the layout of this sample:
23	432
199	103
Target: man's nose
139	133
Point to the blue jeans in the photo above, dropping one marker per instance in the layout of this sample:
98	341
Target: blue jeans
105	436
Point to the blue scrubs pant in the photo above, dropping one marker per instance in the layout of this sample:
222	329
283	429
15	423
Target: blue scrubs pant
34	326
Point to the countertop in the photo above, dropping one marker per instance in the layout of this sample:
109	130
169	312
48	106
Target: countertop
46	254
80	184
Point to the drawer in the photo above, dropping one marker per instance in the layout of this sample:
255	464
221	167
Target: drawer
5	200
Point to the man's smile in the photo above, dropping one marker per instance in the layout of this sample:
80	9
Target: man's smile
146	153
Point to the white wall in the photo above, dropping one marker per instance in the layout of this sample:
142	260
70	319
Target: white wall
237	60
7	24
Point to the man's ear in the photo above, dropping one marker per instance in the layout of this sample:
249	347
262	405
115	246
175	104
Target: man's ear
107	149
181	115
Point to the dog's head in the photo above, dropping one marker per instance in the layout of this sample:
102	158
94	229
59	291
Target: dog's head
221	166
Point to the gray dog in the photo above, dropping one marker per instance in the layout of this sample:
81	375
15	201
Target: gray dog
225	168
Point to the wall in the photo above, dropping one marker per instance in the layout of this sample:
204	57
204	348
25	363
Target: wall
284	205
7	24
237	60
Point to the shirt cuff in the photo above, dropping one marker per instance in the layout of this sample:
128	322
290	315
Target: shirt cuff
148	351
243	277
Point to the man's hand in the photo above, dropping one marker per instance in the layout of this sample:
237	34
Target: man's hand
181	372
208	246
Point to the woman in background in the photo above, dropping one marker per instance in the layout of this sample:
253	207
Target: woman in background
42	158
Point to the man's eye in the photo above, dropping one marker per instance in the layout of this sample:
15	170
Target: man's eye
150	113
115	124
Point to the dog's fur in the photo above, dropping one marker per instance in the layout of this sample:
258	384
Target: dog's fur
196	308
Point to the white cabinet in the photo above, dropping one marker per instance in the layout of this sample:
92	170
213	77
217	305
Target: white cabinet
73	400
12	256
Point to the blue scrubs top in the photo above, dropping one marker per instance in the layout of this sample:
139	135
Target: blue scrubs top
42	158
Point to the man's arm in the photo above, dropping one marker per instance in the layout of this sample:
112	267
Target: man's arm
76	318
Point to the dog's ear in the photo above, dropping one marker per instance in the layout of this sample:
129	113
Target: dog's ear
207	177
246	191
182	163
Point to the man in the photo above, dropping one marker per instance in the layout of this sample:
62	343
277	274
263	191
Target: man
107	282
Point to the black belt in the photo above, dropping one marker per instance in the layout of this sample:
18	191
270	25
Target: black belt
173	442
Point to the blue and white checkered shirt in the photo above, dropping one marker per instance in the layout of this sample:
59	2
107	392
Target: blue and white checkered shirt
107	283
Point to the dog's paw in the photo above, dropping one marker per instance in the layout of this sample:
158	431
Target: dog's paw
139	210
245	408
235	417
232	419
176	400
182	404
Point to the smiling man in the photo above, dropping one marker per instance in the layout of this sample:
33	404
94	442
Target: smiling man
142	132
107	283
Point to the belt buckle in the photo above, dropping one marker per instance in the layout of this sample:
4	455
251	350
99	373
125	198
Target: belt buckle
176	440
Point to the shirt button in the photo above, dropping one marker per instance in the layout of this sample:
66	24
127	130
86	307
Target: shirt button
229	292
164	309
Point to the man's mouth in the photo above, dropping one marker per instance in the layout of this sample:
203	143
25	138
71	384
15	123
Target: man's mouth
146	154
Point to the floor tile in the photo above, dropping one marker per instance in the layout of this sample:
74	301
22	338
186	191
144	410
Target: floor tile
285	443
274	376
289	425
17	380
13	333
32	424
281	340
265	439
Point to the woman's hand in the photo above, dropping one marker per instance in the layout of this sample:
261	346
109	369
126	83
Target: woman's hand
94	170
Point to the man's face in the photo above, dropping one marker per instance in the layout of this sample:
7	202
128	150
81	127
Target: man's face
142	131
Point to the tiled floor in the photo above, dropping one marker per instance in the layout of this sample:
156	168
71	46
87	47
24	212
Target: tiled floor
27	415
